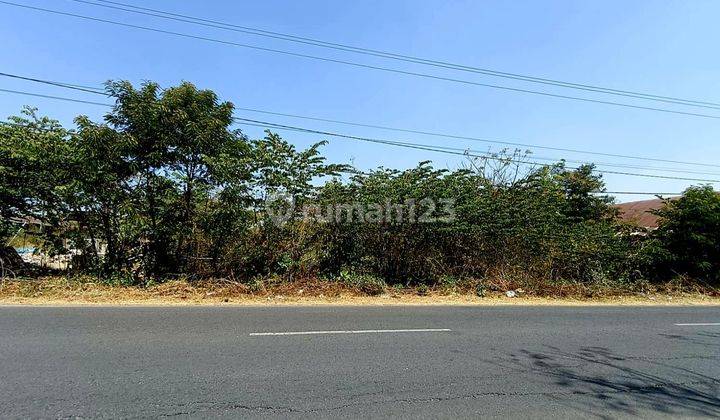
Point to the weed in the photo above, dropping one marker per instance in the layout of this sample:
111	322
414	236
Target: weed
480	290
422	289
365	283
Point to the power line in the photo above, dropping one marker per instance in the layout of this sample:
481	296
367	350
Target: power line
426	133
444	150
81	88
417	146
637	193
59	98
420	146
389	55
358	172
353	171
477	139
359	65
534	159
92	90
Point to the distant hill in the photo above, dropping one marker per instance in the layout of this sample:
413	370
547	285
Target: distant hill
639	212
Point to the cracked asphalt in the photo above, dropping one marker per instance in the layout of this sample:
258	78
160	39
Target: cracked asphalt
519	362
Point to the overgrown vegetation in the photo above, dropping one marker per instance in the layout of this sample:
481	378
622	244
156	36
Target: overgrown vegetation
165	188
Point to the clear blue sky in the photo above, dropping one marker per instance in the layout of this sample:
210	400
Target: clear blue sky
662	47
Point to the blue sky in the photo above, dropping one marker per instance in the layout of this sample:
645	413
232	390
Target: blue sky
661	47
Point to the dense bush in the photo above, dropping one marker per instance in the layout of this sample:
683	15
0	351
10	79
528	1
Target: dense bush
540	225
163	187
687	241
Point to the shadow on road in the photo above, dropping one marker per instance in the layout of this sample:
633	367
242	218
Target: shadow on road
604	384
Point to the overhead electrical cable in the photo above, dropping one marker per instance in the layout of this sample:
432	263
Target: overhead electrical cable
357	172
444	150
425	133
390	55
360	65
379	141
59	98
533	159
478	139
81	88
420	146
637	193
437	148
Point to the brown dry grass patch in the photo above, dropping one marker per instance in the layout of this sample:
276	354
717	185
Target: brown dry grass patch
81	291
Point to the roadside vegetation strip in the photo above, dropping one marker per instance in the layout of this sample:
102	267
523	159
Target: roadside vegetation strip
418	330
256	218
98	291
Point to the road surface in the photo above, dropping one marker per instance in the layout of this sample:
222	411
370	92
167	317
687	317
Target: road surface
428	362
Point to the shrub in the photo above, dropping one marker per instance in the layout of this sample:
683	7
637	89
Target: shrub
364	283
256	285
422	289
480	290
687	241
448	283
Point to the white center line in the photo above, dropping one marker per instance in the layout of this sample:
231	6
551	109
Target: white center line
700	324
351	332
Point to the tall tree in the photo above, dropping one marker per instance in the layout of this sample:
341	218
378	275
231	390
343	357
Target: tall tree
34	152
176	135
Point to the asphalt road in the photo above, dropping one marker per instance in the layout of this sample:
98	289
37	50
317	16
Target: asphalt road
198	362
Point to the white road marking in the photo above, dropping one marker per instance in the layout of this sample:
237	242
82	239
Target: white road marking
700	324
351	332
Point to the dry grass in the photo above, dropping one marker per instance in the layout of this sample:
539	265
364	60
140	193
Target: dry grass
66	291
